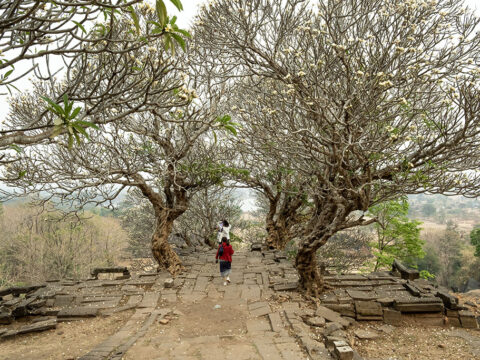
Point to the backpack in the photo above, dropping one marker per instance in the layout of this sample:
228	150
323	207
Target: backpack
220	250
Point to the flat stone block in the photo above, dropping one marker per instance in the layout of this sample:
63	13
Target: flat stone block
168	283
362	295
316	321
368	308
330	315
366	335
256	325
262	311
392	317
275	322
78	312
38	326
344	353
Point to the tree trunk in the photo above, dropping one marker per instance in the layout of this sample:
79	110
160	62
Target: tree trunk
161	250
278	235
311	278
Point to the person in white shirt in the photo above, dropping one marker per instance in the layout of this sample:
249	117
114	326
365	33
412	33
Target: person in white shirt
223	230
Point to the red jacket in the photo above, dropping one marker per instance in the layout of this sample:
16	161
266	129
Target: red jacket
227	252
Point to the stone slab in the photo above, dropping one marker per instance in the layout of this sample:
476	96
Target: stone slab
368	308
276	322
331	315
362	295
150	300
392	317
78	312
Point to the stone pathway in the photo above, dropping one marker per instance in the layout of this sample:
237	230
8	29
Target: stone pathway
257	316
200	318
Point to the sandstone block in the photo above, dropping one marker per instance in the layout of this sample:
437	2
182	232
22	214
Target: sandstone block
392	317
316	321
344	353
368	308
332	316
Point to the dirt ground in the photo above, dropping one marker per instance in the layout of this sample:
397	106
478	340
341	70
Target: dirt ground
414	342
196	330
68	341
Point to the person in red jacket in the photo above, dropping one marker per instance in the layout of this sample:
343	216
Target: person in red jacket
224	253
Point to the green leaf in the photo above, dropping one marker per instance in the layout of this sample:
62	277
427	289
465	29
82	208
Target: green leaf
70	141
231	129
7	74
75	112
81	130
87	124
184	33
56	108
161	12
80	26
77	138
134	18
178	4
22	173
58	122
179	40
17	148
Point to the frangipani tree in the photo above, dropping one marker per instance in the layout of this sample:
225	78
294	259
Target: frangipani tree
165	152
87	52
376	99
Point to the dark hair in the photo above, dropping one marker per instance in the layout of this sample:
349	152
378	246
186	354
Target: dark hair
225	239
225	223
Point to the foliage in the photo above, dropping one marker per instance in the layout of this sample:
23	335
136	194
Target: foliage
428	210
449	249
138	219
475	239
430	263
346	251
397	237
79	35
36	245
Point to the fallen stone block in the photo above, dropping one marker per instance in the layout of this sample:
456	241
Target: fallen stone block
418	305
405	272
366	335
38	326
412	289
392	317
368	308
450	301
343	309
286	286
362	295
17	290
332	316
78	312
110	270
344	353
6	317
168	283
20	309
63	300
467	319
430	319
315	321
453	321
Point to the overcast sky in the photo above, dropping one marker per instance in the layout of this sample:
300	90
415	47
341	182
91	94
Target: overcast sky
185	18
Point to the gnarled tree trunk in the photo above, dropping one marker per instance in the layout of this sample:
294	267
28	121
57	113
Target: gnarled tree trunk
161	249
328	218
311	278
280	220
